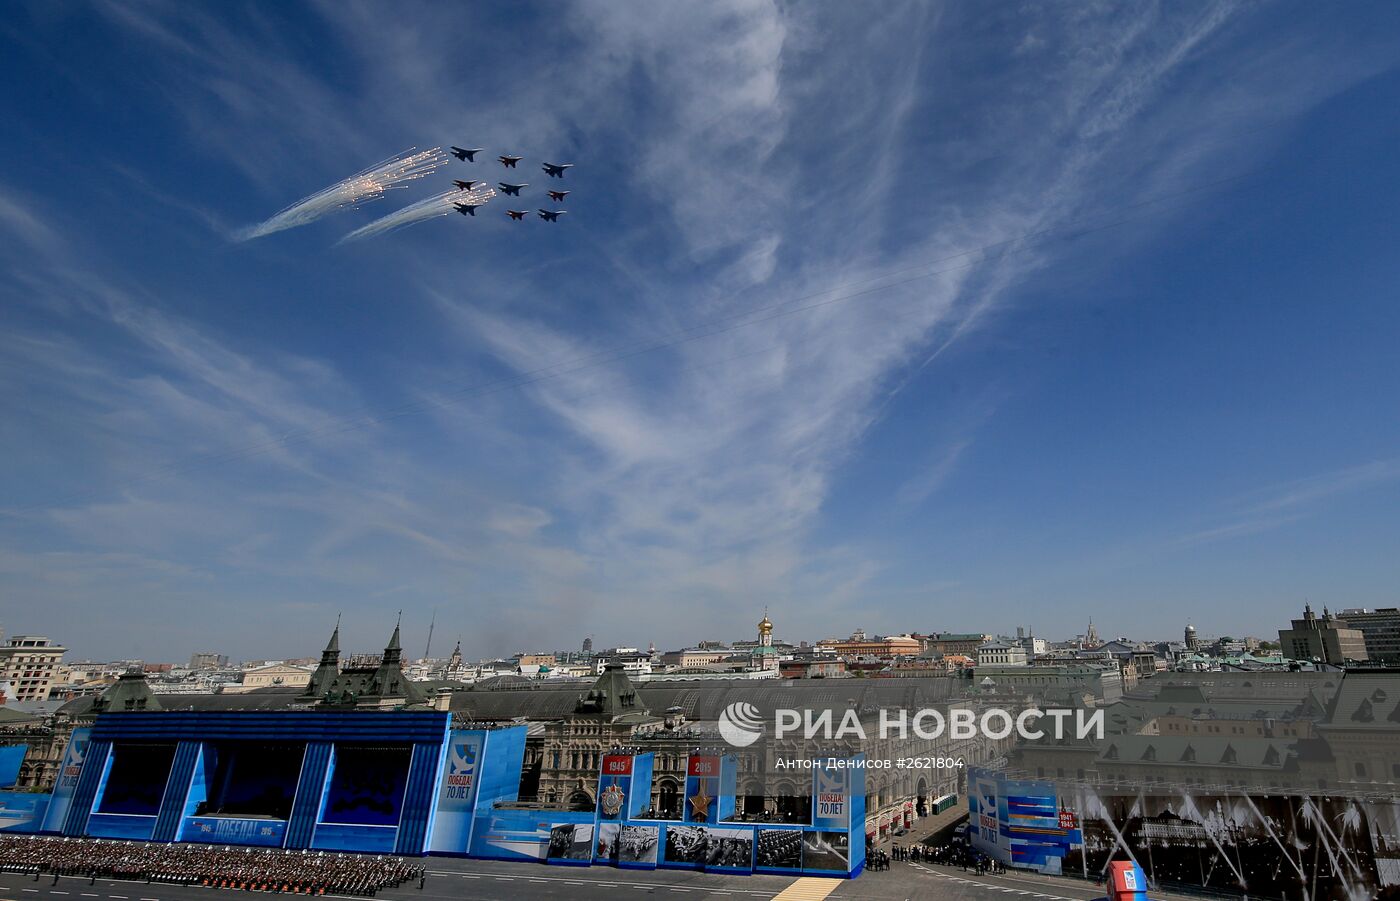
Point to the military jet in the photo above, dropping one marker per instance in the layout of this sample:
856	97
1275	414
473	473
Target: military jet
556	170
510	161
466	156
467	209
465	185
512	190
517	215
551	215
558	196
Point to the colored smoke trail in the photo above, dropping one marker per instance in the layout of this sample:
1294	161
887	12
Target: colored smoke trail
371	184
423	210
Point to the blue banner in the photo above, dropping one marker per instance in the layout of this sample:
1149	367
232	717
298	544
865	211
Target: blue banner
1020	823
701	791
22	811
67	781
235	831
504	834
11	756
831	798
615	787
456	802
129	827
642	765
354	837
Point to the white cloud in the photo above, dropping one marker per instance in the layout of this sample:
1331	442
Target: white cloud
922	486
519	520
1320	488
20	222
717	70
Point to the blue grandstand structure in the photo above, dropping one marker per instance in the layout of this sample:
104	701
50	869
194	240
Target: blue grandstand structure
362	760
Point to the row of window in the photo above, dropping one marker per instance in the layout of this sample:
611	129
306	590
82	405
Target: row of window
1360	771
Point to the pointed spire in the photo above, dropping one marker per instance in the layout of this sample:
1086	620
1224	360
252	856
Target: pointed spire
330	664
332	652
393	652
389	680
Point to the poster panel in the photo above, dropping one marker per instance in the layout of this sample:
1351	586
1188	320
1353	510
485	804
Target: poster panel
512	834
456	801
686	846
778	850
730	850
831	798
702	788
824	851
571	843
614	786
637	847
606	849
67	782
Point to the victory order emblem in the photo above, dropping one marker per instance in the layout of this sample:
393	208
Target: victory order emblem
612	800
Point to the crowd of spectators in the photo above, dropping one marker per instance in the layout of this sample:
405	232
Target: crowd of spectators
254	869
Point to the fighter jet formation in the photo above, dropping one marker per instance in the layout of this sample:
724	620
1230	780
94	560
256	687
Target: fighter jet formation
465	197
512	189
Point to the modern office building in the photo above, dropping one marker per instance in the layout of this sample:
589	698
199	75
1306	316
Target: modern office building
1380	628
1325	639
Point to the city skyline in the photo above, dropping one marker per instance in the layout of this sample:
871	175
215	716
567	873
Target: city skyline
882	322
361	640
365	636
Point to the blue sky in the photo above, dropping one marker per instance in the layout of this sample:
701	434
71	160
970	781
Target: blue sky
792	346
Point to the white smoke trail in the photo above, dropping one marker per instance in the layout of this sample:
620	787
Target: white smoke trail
370	184
429	208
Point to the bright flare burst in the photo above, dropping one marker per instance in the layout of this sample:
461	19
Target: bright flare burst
368	185
423	210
